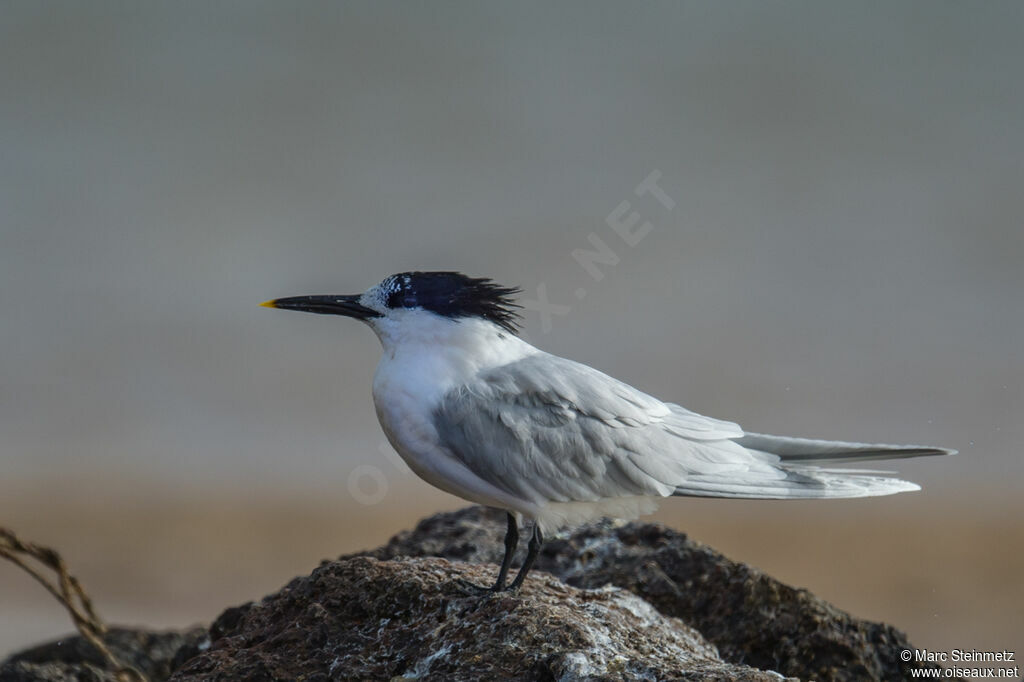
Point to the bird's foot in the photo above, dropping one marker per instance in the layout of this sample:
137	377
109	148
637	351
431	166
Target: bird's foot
468	587
471	588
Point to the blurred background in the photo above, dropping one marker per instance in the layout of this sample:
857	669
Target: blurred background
841	255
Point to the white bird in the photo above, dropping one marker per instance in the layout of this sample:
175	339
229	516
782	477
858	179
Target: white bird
480	413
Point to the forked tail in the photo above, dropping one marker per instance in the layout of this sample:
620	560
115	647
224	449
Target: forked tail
791	468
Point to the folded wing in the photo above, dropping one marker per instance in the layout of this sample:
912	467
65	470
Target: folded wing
547	429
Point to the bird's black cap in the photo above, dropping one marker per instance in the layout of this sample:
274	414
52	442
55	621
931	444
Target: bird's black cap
454	295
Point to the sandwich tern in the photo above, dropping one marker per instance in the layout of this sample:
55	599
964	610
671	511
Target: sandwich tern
480	413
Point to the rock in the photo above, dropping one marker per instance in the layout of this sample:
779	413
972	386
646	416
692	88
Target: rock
73	658
609	601
751	618
405	619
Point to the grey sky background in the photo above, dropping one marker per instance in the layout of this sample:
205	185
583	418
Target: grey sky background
845	258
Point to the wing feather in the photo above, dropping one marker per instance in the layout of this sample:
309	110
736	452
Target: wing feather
547	429
553	430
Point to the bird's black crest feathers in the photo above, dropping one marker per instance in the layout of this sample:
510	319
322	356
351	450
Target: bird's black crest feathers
454	295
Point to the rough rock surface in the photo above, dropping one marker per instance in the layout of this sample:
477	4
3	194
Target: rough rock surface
74	658
361	618
612	600
751	617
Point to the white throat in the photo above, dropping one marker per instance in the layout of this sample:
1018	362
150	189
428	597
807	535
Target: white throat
435	353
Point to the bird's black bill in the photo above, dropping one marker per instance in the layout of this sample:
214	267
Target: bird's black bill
348	306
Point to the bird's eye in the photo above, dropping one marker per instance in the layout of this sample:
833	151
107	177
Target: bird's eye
401	298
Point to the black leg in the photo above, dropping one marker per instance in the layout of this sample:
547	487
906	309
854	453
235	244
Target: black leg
511	542
536	540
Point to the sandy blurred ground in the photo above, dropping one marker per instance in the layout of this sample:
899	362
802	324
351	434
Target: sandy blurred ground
946	568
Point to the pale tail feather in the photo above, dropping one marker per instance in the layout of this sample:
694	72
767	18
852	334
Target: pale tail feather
800	479
809	451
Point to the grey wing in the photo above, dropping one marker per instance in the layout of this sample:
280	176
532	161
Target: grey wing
547	429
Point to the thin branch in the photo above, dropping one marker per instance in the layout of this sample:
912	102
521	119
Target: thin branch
68	591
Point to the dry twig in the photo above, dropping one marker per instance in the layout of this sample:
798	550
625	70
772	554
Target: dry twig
68	591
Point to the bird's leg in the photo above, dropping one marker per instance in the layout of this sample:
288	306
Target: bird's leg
536	540
511	542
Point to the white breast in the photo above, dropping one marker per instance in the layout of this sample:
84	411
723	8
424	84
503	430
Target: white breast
417	368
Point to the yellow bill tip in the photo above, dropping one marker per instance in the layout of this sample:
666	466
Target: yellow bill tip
269	304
